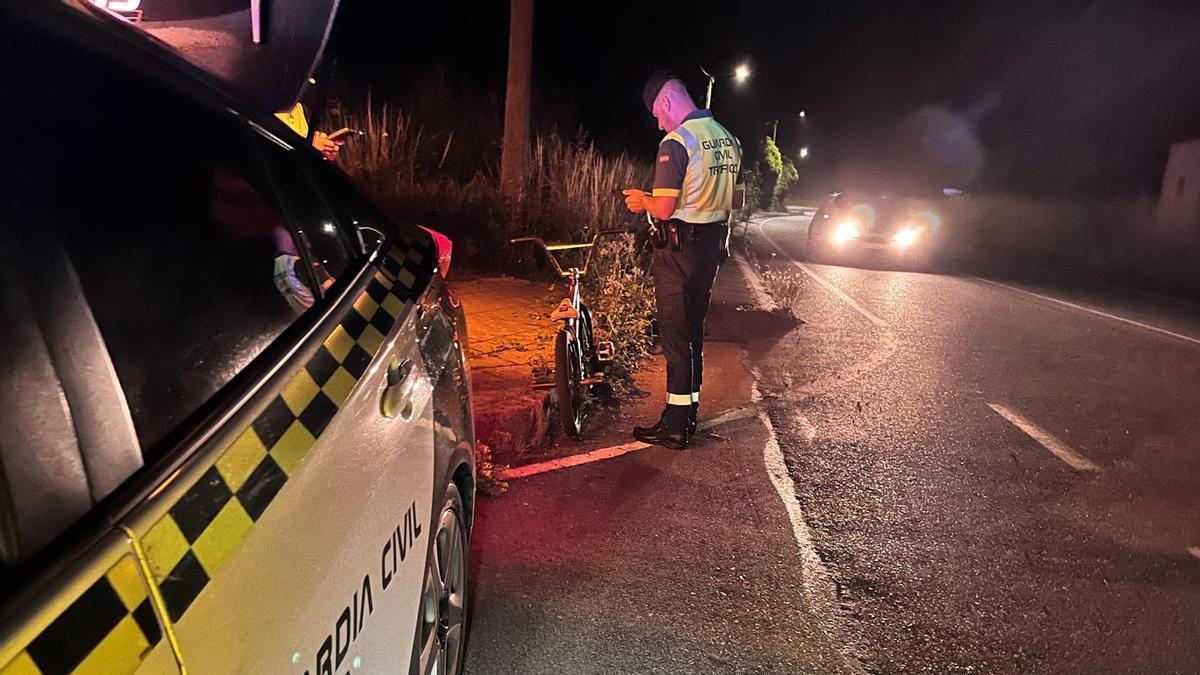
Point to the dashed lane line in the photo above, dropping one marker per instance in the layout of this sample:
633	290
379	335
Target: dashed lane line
1044	438
1096	312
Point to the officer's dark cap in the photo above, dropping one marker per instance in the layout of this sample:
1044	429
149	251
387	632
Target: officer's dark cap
655	85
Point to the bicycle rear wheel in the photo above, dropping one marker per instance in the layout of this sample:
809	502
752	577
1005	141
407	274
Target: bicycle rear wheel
568	376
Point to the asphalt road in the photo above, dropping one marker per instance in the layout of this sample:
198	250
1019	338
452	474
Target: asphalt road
959	542
979	479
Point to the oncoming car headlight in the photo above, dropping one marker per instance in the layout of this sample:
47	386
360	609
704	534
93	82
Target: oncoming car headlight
906	237
845	231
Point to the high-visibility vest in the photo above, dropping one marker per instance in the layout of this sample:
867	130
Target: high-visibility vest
714	163
295	119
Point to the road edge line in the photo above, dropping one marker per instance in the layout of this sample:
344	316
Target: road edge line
879	323
613	451
819	585
1090	310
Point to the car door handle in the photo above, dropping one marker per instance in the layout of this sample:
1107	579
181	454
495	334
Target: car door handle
395	403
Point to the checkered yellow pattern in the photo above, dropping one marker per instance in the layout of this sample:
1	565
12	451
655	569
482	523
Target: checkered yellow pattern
109	629
188	545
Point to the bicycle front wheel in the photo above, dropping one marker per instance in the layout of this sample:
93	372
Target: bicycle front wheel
568	375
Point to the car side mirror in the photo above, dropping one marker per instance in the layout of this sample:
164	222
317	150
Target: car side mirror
370	238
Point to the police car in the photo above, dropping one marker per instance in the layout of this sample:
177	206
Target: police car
235	418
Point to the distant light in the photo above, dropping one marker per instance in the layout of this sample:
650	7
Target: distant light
741	73
906	237
804	152
328	228
846	231
118	5
803	114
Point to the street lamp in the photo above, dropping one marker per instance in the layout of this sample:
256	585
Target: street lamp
804	152
803	114
741	73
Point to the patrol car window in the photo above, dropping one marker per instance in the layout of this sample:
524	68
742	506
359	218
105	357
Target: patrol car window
317	229
355	210
182	251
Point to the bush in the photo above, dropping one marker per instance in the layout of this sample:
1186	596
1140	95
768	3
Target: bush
781	173
571	192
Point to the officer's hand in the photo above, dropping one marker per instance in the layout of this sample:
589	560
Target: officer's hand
326	145
635	200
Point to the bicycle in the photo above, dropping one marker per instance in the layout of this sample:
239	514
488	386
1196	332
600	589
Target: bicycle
577	355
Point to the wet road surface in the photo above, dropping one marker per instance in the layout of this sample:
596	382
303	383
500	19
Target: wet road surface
1009	483
973	478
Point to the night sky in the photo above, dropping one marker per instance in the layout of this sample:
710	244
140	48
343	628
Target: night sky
1041	98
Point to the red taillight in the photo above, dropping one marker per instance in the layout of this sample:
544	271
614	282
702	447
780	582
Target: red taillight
444	248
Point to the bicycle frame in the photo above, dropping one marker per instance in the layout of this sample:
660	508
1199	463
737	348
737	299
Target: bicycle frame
571	274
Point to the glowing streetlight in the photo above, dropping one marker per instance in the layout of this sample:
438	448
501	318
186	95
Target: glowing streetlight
804	152
741	73
803	114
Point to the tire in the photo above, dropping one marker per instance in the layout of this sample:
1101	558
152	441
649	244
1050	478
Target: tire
568	378
443	617
587	341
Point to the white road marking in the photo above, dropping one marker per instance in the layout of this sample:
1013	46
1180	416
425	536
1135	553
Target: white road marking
726	417
1045	439
612	451
879	323
1194	550
1097	312
819	586
879	355
574	460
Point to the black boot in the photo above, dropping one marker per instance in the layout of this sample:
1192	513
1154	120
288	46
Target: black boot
671	431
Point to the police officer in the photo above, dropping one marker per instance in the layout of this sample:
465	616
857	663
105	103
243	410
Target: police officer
697	185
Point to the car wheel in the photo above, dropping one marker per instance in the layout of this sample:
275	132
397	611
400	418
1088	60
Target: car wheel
444	601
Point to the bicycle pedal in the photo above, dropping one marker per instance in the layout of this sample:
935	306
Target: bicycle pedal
605	351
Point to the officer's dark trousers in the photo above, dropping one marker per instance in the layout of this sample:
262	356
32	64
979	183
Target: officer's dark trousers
683	282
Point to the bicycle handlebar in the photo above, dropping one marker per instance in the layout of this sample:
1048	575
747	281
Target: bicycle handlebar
549	249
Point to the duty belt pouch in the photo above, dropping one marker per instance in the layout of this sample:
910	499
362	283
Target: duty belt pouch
658	235
674	235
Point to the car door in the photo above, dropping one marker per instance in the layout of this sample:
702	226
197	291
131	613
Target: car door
332	463
272	380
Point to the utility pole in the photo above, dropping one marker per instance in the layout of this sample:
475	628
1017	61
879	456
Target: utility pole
515	146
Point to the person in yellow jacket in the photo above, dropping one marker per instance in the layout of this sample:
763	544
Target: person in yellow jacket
298	122
697	185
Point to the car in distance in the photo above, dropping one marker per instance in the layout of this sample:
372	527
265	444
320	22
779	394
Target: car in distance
899	228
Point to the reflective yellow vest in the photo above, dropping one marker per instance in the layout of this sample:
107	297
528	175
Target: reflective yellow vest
714	166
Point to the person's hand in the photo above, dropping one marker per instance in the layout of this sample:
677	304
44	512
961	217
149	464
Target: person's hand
326	145
635	200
